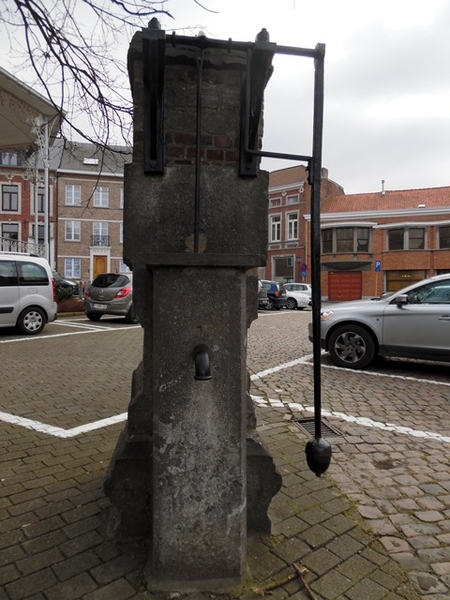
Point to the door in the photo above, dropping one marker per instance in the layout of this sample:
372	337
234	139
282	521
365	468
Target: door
344	285
422	326
100	265
9	292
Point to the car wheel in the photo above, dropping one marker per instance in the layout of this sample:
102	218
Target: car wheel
93	316
131	317
351	346
291	303
270	304
31	321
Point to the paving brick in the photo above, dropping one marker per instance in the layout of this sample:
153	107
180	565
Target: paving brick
39	561
117	590
81	543
291	550
31	584
367	589
79	563
332	585
321	561
8	573
44	542
355	567
72	589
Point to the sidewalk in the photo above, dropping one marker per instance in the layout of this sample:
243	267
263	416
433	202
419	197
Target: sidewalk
316	526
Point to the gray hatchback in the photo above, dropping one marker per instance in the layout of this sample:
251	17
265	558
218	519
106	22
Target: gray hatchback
110	294
411	323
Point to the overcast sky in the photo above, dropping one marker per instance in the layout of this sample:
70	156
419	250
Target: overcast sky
387	82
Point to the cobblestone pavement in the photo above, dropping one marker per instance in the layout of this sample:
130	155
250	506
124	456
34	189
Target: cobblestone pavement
376	526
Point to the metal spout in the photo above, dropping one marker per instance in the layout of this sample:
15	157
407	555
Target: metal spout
202	366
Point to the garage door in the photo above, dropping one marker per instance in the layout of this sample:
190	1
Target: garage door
345	285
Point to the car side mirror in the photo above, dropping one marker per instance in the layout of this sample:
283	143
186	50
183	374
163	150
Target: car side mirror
402	299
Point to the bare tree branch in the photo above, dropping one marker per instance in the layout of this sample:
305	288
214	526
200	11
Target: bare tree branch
70	46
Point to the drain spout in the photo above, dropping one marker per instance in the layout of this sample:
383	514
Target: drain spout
202	365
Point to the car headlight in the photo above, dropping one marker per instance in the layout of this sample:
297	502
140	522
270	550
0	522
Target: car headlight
326	314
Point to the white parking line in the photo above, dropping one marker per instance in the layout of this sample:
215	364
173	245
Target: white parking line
92	329
276	403
59	431
307	360
363	421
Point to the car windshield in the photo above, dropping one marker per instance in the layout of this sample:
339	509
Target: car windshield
111	280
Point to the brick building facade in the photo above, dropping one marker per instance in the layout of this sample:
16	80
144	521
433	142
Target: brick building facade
289	255
370	243
89	184
383	241
21	225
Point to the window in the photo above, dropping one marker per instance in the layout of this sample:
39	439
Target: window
40	199
31	273
8	273
406	238
73	195
292	226
100	235
416	237
437	292
275	228
444	237
283	267
40	231
121	198
345	239
101	197
10	159
73	231
362	239
10	237
72	268
275	202
292	199
327	241
10	198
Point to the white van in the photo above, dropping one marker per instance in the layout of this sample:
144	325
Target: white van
27	292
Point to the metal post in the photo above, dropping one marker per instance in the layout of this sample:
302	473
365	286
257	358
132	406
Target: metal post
318	450
46	194
36	201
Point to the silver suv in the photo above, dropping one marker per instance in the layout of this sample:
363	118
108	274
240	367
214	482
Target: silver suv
412	323
27	292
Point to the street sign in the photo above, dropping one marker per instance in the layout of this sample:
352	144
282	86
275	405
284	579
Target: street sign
377	266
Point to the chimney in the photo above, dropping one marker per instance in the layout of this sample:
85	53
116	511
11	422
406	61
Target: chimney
382	188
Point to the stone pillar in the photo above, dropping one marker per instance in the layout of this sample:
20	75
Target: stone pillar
194	234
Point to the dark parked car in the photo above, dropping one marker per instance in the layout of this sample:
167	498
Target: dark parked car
67	284
263	300
110	294
276	294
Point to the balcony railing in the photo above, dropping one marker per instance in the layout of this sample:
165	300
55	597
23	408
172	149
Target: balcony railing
9	245
100	240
